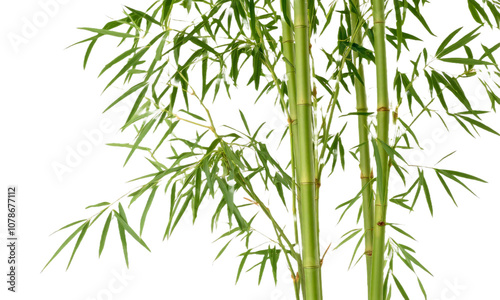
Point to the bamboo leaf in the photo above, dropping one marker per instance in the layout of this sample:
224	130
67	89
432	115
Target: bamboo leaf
128	146
146	208
400	288
98	205
108	32
123	239
422	288
401	231
167	133
126	94
78	242
407	254
140	137
127	228
479	124
193	115
117	60
242	264
263	265
427	193
441	179
466	61
78	230
458	44
69	225
245	122
349	237
105	233
222	250
459	174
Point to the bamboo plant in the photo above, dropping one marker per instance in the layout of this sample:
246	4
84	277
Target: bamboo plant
174	70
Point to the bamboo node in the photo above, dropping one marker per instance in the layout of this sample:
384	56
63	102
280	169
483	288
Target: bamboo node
363	176
312	267
307	182
318	183
381	223
369	252
383	108
395	116
295	278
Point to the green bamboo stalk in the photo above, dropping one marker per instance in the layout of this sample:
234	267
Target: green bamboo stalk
364	148
377	276
310	242
289	54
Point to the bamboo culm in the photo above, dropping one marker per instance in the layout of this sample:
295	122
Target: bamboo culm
306	175
289	54
377	274
364	148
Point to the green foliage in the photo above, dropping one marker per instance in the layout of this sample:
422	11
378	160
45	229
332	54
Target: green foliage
231	42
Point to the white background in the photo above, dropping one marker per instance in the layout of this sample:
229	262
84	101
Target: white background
49	103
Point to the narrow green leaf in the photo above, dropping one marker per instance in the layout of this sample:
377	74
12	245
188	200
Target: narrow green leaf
466	61
117	59
140	137
104	234
400	288
109	32
78	242
98	205
242	264
69	225
146	208
126	94
65	243
427	194
222	250
125	226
